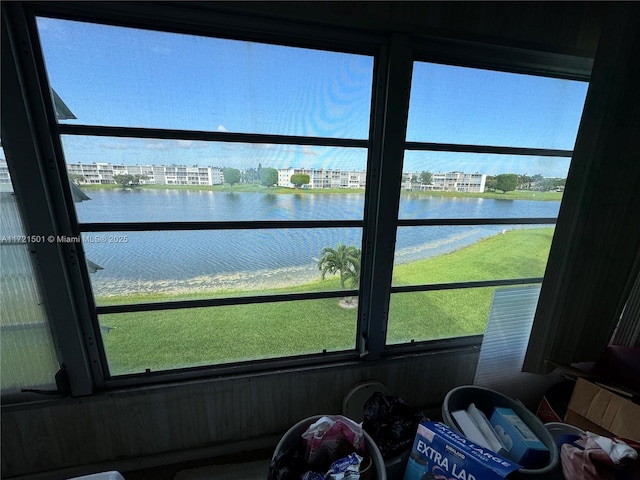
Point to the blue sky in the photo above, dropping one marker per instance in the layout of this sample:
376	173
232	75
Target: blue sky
125	77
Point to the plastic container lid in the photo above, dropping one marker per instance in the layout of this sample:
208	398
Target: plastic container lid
558	428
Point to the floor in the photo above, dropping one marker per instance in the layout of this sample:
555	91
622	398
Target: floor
169	472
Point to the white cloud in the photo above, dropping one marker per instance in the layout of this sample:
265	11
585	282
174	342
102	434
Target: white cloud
156	146
222	128
185	143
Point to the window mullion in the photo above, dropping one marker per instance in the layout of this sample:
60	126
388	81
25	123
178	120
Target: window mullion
392	86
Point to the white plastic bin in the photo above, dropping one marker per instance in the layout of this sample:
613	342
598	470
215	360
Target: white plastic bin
294	436
100	476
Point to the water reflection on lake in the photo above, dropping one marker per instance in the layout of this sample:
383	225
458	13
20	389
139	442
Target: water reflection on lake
257	259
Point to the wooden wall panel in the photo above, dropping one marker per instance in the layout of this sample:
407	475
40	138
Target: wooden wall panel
127	425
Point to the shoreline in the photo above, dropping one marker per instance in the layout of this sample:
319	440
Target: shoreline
285	277
531	195
106	287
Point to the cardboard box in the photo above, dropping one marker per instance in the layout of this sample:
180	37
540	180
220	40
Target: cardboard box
554	403
439	450
520	442
599	410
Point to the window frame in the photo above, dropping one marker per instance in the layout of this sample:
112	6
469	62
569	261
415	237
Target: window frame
72	311
499	59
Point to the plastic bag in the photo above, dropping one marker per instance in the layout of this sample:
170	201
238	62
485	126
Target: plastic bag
331	438
391	422
583	458
288	465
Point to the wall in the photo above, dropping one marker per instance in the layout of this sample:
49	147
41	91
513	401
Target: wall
215	416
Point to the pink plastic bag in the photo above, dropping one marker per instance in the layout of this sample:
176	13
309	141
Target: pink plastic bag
331	438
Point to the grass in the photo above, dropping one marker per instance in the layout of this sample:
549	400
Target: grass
190	337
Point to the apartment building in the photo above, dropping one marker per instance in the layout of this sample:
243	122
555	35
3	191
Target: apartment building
4	173
103	173
324	178
456	182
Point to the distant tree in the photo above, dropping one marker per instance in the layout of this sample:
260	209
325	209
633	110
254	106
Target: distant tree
506	182
490	183
299	179
137	179
537	181
547	184
251	175
231	176
344	260
557	183
524	182
128	180
268	176
77	178
125	179
426	177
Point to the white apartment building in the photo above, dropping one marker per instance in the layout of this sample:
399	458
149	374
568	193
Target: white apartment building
323	178
103	173
457	182
4	172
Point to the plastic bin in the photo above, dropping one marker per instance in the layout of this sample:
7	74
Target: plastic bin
113	475
294	436
485	399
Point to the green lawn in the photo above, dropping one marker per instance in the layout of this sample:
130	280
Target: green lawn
189	337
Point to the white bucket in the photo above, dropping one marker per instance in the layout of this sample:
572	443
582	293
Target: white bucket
294	436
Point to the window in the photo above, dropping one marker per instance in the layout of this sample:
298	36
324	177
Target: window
29	359
231	202
486	157
167	254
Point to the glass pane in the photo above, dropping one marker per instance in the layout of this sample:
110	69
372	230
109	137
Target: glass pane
481	107
172	339
27	349
138	180
421	316
470	185
138	267
446	254
117	76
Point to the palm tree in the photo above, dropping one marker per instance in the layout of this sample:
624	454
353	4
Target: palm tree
345	260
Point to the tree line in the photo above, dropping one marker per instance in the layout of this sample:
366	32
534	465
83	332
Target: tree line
507	182
265	176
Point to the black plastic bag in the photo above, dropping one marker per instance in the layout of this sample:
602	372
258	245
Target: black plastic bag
288	465
391	423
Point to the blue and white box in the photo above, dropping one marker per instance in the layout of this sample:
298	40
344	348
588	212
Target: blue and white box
444	453
522	445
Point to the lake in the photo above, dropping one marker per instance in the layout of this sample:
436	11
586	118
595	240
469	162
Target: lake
256	259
